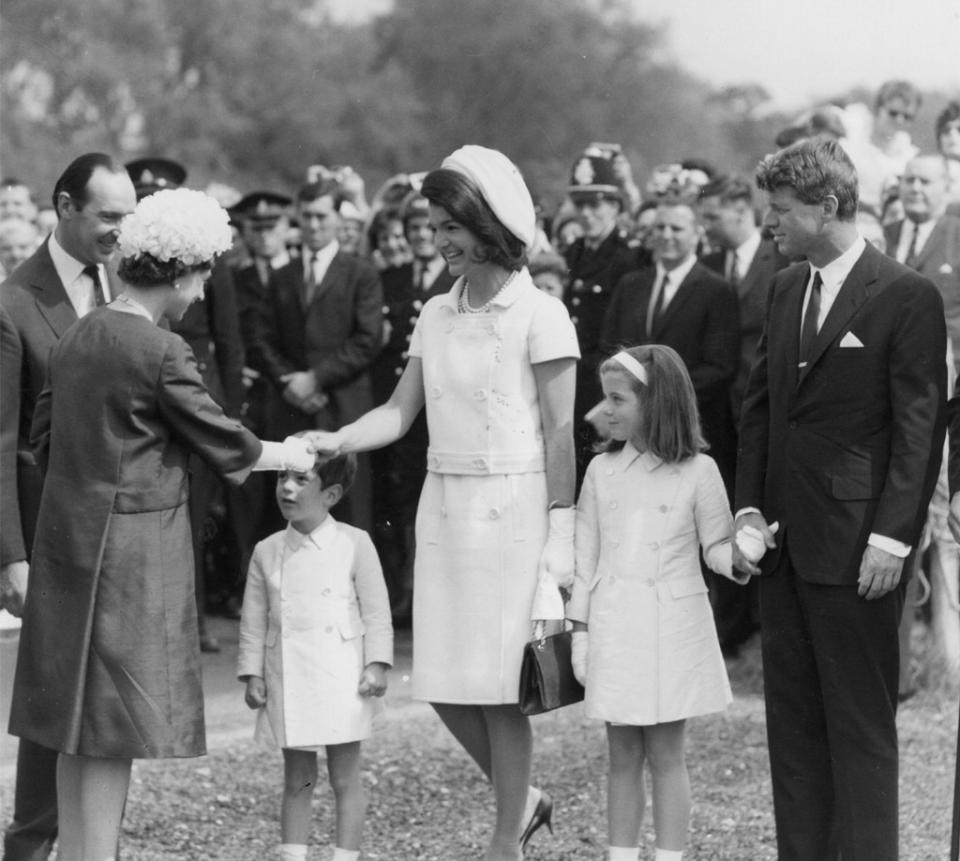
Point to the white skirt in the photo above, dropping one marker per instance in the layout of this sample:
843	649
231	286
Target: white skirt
479	540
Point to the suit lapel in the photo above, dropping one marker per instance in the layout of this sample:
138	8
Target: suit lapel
790	323
934	244
680	298
856	289
333	275
51	297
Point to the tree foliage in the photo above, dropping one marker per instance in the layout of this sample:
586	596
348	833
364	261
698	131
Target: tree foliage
251	91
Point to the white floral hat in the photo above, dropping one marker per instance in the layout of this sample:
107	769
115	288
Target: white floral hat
176	224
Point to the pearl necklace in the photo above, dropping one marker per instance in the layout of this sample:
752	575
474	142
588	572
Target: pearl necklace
463	300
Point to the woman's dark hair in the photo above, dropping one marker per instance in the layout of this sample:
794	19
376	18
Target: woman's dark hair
380	221
669	418
950	114
146	271
465	204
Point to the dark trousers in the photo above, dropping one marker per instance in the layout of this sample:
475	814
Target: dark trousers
31	835
830	665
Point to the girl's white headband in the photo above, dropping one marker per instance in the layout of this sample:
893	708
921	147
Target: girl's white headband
632	365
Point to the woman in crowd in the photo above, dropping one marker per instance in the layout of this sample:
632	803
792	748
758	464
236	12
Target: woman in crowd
108	667
494	362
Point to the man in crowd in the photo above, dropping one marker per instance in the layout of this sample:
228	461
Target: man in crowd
16	200
840	443
597	261
748	262
317	333
400	468
928	239
18	240
63	280
681	303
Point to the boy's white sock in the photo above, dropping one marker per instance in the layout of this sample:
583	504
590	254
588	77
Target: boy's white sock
624	853
345	854
293	852
669	855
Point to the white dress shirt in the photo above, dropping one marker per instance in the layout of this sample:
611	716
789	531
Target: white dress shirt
670	286
79	286
923	231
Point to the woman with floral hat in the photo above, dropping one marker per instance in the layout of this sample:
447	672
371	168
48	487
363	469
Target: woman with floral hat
108	667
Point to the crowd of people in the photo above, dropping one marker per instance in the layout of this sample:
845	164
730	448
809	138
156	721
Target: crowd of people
639	383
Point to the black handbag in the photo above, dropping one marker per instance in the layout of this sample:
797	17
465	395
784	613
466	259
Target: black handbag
546	675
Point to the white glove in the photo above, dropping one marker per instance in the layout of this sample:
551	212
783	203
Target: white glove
547	600
579	644
751	544
556	560
293	453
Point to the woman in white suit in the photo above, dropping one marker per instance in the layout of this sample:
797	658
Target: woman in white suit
494	362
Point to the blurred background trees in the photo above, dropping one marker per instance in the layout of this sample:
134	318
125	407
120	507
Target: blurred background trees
249	92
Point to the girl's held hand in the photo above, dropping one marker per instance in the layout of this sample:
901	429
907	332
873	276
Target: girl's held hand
373	680
256	693
324	442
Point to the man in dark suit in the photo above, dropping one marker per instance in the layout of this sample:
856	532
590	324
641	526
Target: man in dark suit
840	443
401	467
681	303
928	239
748	262
63	280
318	331
744	258
597	261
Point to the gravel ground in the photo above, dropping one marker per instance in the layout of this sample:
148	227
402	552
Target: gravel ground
428	802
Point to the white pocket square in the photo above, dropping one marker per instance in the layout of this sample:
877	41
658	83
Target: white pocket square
946	269
850	340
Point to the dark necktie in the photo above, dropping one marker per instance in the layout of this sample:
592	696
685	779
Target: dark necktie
309	281
911	258
808	332
659	304
734	276
93	273
419	282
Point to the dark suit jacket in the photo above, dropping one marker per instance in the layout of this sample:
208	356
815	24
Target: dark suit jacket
752	298
939	260
37	313
212	329
593	276
852	444
338	336
701	324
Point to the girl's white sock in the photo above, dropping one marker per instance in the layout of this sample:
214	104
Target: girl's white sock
345	854
669	855
624	853
293	852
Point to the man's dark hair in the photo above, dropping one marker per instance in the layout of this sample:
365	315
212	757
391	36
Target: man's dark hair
322	188
813	168
73	181
729	189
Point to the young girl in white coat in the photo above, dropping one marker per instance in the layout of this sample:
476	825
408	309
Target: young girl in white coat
645	645
315	644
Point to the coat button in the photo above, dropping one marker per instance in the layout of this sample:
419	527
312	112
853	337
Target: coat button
613	504
325	592
329	629
413	320
436	391
480	463
398	371
578	285
494	513
597	288
575	301
574	320
417	304
385	309
404	354
651	582
609	472
480	395
664	509
434	460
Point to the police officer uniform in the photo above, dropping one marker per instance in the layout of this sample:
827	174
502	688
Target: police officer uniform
594	272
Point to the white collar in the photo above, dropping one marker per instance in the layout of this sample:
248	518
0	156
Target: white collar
678	273
294	539
747	250
68	267
836	271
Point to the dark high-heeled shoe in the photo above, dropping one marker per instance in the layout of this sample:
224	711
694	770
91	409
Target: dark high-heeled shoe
542	815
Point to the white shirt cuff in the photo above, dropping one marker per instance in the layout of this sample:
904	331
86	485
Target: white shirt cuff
748	510
891	545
